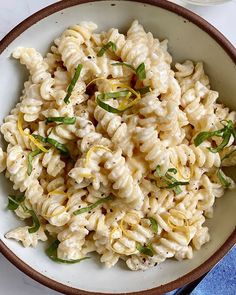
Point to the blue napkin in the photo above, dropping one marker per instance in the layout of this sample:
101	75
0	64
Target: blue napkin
221	280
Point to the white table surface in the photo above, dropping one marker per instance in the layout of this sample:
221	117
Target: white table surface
223	17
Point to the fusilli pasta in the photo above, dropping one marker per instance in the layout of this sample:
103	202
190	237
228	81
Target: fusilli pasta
114	151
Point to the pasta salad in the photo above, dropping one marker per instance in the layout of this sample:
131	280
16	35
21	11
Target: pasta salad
112	150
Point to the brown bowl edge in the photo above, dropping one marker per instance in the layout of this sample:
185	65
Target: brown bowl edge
210	262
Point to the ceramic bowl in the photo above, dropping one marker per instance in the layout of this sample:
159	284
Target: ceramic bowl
190	37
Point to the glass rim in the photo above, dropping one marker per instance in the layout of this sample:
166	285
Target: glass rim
205	2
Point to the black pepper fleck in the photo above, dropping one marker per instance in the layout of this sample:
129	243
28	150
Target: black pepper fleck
104	211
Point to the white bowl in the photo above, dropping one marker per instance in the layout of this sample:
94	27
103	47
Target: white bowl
190	37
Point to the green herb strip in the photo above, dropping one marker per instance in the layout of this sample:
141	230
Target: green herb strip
30	157
124	64
223	180
172	182
72	84
140	71
92	206
109	95
59	146
14	202
225	133
110	44
154	224
226	138
172	170
36	223
51	252
40	138
158	171
144	90
63	120
146	250
107	107
123	93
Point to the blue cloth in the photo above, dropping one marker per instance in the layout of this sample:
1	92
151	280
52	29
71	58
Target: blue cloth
221	280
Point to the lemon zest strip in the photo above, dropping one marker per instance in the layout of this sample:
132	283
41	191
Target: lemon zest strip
56	213
93	149
23	133
122	221
125	101
96	79
137	94
113	249
87	175
178	168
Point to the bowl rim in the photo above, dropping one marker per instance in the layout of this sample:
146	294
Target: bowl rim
228	244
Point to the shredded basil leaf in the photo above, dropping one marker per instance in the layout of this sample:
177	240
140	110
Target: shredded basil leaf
109	95
223	180
170	177
177	190
146	250
224	132
59	146
177	183
30	157
14	201
92	206
124	64
172	182
144	90
154	224
51	252
226	138
36	223
72	84
106	47
140	71
122	93
172	170
40	138
206	135
63	120
158	171
106	106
